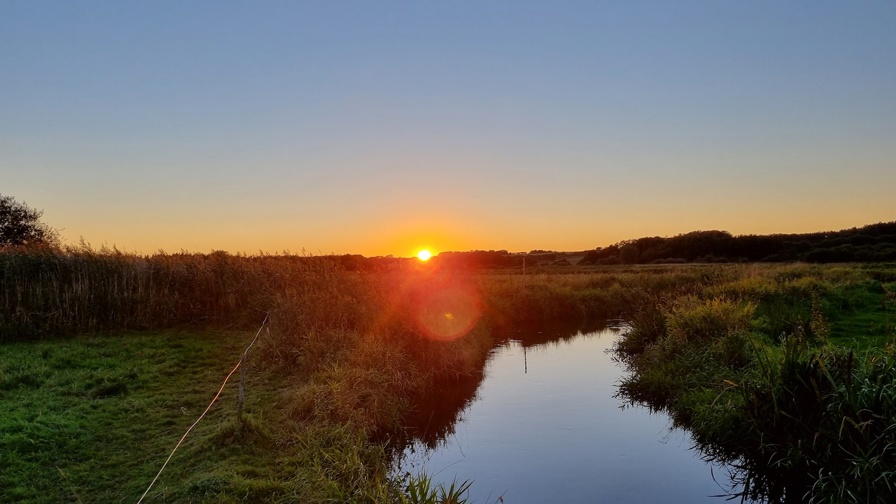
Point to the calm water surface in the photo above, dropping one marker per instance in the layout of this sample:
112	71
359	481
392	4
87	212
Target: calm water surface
543	426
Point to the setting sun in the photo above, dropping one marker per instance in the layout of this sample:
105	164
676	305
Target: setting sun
424	255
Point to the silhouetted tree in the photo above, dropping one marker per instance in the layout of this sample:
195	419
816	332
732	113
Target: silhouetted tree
20	225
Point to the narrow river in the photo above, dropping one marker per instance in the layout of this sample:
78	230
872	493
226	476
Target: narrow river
543	426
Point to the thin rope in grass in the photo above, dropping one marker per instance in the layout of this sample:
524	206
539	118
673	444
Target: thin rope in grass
182	438
71	487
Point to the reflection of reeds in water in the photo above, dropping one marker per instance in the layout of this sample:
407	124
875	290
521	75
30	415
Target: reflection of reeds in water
435	414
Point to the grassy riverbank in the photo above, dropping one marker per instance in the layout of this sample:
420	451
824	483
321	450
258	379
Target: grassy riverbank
94	411
787	372
107	358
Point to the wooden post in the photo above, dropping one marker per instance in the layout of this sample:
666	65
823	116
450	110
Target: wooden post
242	394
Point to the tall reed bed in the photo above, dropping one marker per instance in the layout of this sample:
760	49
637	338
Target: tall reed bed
57	292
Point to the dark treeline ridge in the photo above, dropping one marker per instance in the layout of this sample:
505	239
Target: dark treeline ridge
872	243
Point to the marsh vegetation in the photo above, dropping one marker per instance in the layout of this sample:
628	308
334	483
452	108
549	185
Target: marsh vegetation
785	374
106	357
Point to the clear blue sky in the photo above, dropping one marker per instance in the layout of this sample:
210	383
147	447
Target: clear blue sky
380	127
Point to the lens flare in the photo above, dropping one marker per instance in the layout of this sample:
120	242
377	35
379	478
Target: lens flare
448	313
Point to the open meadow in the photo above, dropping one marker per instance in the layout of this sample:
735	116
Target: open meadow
106	359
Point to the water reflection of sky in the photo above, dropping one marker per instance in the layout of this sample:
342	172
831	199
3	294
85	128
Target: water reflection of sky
546	428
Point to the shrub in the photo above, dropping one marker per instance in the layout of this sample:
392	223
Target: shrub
696	320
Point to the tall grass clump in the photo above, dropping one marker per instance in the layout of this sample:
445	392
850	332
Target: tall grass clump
420	489
366	369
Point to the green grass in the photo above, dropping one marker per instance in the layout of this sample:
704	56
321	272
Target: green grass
870	321
91	417
786	372
420	490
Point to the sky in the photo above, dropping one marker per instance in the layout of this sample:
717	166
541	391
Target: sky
383	127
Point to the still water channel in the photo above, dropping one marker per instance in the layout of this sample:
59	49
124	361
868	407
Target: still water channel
541	425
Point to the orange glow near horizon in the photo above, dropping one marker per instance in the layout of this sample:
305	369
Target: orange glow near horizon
424	255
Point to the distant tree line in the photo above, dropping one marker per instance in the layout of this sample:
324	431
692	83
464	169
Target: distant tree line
872	243
477	259
474	259
21	227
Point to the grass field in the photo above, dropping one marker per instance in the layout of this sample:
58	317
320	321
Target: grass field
92	418
107	358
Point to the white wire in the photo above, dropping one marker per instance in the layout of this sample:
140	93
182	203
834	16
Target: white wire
204	412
